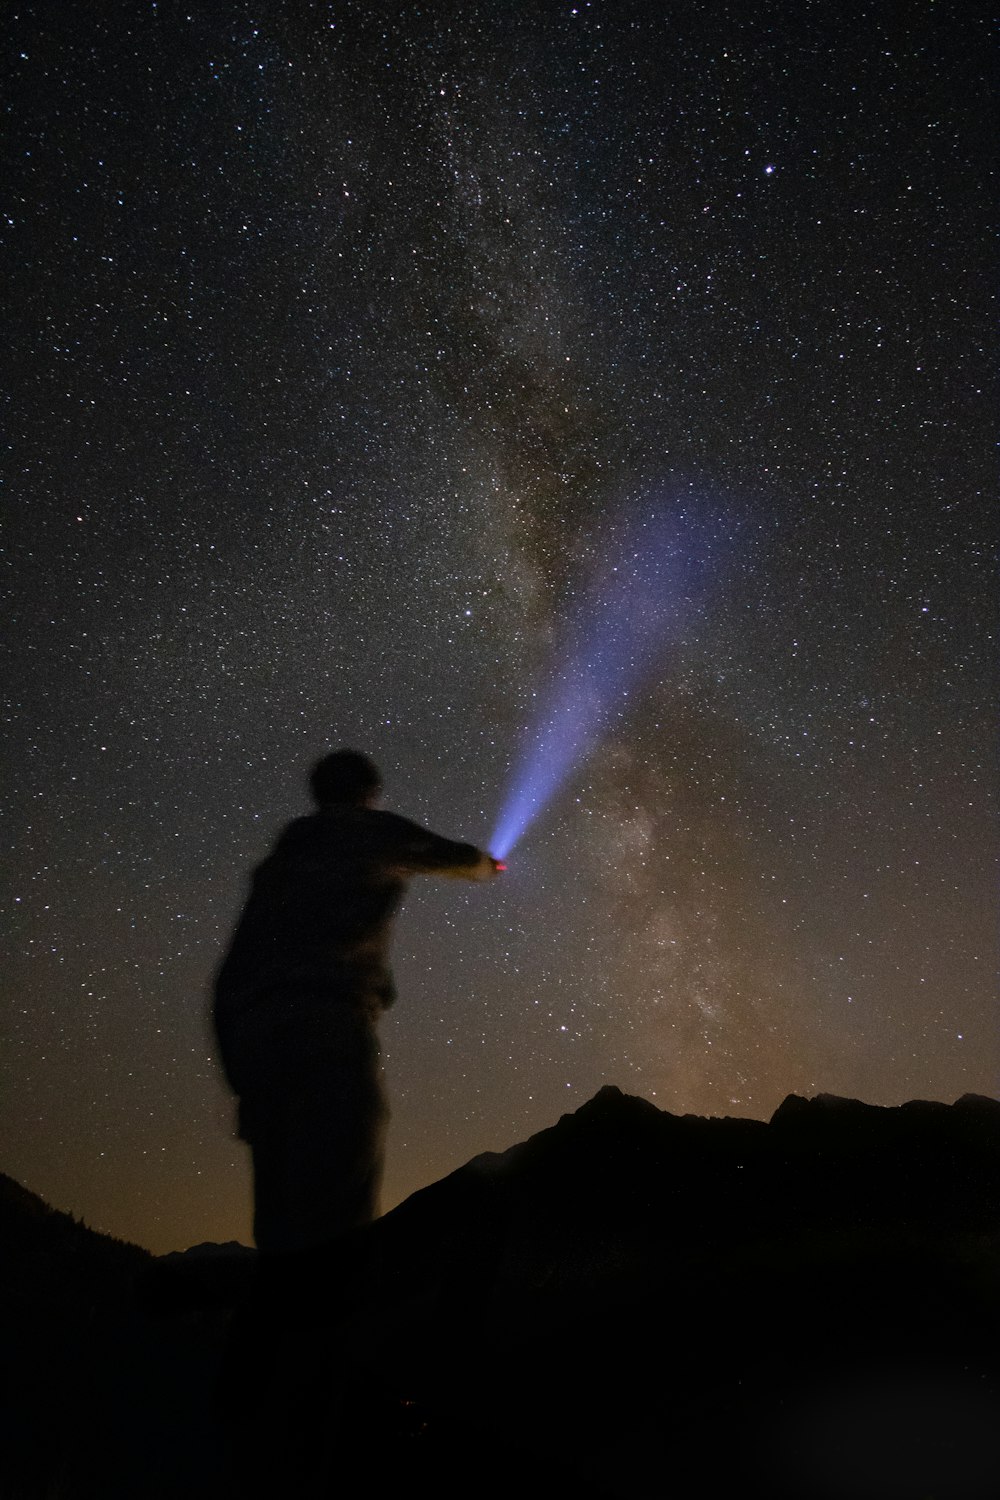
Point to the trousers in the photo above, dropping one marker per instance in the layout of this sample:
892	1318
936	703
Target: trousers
314	1113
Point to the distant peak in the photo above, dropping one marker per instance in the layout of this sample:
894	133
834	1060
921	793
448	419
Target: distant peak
978	1101
610	1102
609	1094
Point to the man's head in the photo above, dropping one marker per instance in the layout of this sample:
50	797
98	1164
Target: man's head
346	776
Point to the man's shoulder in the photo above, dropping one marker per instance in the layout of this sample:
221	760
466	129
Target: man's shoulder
390	822
305	839
384	834
358	829
298	831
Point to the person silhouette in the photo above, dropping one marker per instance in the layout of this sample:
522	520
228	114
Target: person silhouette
298	997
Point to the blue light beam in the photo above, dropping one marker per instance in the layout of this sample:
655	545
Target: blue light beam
649	587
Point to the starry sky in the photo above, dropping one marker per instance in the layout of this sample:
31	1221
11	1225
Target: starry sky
342	335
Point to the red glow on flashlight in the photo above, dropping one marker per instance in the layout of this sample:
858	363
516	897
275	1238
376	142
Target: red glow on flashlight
501	864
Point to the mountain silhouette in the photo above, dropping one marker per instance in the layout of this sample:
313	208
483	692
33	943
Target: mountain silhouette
630	1303
102	1399
809	1306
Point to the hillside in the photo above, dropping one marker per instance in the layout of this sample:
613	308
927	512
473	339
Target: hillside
102	1398
630	1303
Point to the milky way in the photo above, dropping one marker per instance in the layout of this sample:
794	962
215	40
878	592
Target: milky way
339	332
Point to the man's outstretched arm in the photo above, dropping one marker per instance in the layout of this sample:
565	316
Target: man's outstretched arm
418	851
484	869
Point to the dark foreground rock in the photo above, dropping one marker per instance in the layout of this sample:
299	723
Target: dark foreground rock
103	1395
667	1305
628	1304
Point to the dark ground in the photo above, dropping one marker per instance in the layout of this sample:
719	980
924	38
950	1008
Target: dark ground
628	1304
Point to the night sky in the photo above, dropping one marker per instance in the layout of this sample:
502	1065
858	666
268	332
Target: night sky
343	340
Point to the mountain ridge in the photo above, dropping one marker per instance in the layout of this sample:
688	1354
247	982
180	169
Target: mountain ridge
808	1305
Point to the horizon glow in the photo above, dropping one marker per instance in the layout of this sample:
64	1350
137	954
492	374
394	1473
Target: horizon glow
645	590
